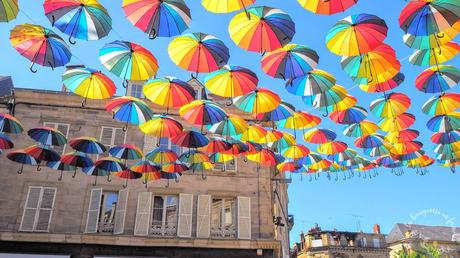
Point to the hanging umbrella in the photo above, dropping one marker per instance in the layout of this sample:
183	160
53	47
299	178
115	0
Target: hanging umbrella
40	45
299	121
253	147
202	112
397	123
237	147
432	40
290	61
258	101
127	174
217	144
76	160
351	115
221	158
362	128
288	166
378	151
169	92
343	156
161	156
369	141
130	110
225	6
149	171
8	10
271	136
406	147
47	136
158	18
319	136
261	29
87	145
447	137
22	157
61	167
328	99
194	157
447	148
375	86
402	136
198	52
81	19
254	133
283	111
172	171
441	104
231	81
5	142
129	61
311	158
283	143
314	82
435	56
10	124
438	79
391	105
356	35
190	139
161	126
296	151
388	162
104	167
332	147
327	7
444	123
231	125
263	157
42	153
126	151
88	83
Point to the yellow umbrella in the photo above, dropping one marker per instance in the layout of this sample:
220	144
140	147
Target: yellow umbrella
225	6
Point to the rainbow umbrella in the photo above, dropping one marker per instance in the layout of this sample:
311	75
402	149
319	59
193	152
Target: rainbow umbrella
333	99
129	61
263	157
193	157
217	144
362	128
433	40
343	156
441	104
8	10
225	6
402	136
376	86
158	18
190	139
126	151
356	35
202	112
22	157
42	153
438	79
319	136
253	147
435	56
5	142
391	105
169	92
104	167
40	45
76	160
378	151
271	136
127	174
10	124
327	7
299	120
172	171
254	133
130	110
149	170
61	167
161	156
397	123
444	123
314	82
161	126
288	166
237	147
447	137
283	111
47	136
231	125
406	147
369	141
388	162
290	61
231	81
81	19
198	52
283	143
296	151
221	158
261	29
351	115
311	158
88	83
332	147
447	148
258	101
88	145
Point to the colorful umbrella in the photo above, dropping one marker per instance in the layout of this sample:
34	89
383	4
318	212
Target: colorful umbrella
198	52
406	147
149	170
264	157
190	139
376	86
391	105
127	174
231	125
258	101
158	18
237	147
202	112
447	148
431	41
81	19
290	61
319	136
22	157
332	147
194	157
10	124
76	160
356	35
435	56
58	165
327	7
402	136
42	153
130	110
169	92
283	111
254	133
8	10
88	83
161	156
296	151
437	79
369	141
447	137
5	142
271	136
231	81
362	128
126	151
314	82
397	123
261	29
88	145
342	156
40	45
225	6
283	143
442	104
217	144
104	167
299	120
288	166
161	126
47	136
444	123
351	115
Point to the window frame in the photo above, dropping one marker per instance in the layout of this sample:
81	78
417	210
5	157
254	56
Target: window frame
102	210
37	210
224	165
112	139
66	134
163	232
222	225
133	85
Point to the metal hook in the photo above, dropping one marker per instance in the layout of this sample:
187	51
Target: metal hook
153	33
203	175
74	173
60	176
108	178
194	75
83	103
229	102
39	168
72	42
32	68
20	171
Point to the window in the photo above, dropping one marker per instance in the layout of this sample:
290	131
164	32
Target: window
376	243
223	218
164	215
64	129
111	136
136	90
230	166
107	212
167	144
38	209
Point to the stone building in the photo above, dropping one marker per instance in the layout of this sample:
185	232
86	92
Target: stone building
318	243
230	214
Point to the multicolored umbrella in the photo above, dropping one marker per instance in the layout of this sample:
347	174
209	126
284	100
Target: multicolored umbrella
314	82
225	6
40	45
261	29
444	123
149	170
161	126
435	56
258	101
5	142
127	174
402	136
376	86
296	151
190	139
271	136
283	143
391	105
263	157
158	18
194	157
433	40
130	110
447	148
81	19
47	136
61	167
327	7
202	112
169	92
288	166
441	104
254	133
447	137
406	147
231	125
369	141
217	144
42	153
22	157
104	167
8	10
76	160
299	121
126	151
332	147
319	136
348	116
397	123
10	124
438	79
290	61
161	156
87	145
283	111
362	128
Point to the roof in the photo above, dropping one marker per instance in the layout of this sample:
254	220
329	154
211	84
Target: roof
431	233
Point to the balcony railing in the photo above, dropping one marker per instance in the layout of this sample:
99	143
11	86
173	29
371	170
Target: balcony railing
223	232
106	227
168	230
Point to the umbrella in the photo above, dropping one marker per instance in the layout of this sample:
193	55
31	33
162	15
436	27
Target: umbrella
221	158
81	19
444	123
130	110
161	156
8	10
397	123
88	145
217	144
406	147
369	141
435	56
378	151
441	104
438	79
169	92
271	136
10	124
42	153
193	157
202	112
190	139
161	126
126	151
22	157
296	151
253	147
327	7
284	142
231	81
76	160
351	115
198	52
88	83
5	142
149	170
362	128
327	100
258	101
104	167
391	105
225	6
47	136
58	165
283	111
402	136
314	82
375	86
332	147
264	157
299	120
432	40
290	61
129	61
127	174
231	125
356	35
342	156
288	166
319	136
261	29
254	133
40	45
158	18
447	148
447	137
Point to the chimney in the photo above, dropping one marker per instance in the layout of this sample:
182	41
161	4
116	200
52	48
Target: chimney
377	229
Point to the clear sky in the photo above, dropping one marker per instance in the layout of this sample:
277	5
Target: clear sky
345	205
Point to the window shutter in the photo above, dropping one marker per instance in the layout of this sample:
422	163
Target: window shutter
144	204
30	209
92	217
45	209
120	212
106	136
119	137
203	216
184	228
149	143
244	217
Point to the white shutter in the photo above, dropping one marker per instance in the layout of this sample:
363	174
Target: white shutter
244	217
203	216
106	136
30	209
92	217
119	136
120	212
144	204
149	143
45	209
184	228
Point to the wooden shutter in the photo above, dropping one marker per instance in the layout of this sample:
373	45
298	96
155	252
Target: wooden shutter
144	206
30	209
149	143
244	217
184	228
203	216
45	209
120	212
92	217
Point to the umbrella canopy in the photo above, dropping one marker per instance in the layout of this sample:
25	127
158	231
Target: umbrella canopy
328	100
319	136
5	142
10	124
441	104
261	29
254	133
225	6
391	105
42	153
263	157
327	7
283	111
444	123
149	170
231	81
194	157
237	147
77	159
126	151
202	112
332	147
375	86
40	45
104	167
314	82
447	148
362	128
438	79
435	56
190	139
356	35
130	110
23	158
300	120
370	141
8	10
169	92
432	40
447	137
406	147
158	18
58	165
351	115
47	136
290	61
296	151
271	136
87	145
81	19
162	126
402	136
161	156
217	144
127	174
284	142
174	168
258	101
231	125
288	166
397	123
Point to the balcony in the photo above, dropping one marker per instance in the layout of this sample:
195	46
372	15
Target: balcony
167	230
106	227
227	232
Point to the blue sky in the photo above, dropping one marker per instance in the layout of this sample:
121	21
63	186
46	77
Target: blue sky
386	199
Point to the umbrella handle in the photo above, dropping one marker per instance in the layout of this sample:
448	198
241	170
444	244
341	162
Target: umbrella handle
176	180
153	33
72	42
32	68
39	168
452	169
60	176
108	178
126	183
83	103
167	184
194	75
20	171
282	76
327	113
223	168
125	128
203	175
229	102
74	173
263	53
245	159
53	19
440	35
125	83
95	181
